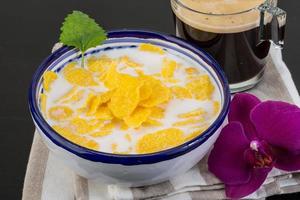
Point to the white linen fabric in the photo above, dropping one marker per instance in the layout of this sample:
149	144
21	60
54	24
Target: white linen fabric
47	178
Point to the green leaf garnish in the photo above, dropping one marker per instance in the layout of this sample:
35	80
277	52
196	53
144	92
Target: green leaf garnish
82	32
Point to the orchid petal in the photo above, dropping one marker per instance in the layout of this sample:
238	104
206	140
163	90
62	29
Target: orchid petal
226	159
278	124
258	176
240	109
287	161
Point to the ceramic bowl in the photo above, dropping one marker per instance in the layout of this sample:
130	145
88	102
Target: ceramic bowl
131	170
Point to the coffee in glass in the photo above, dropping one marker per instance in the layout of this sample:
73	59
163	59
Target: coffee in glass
237	33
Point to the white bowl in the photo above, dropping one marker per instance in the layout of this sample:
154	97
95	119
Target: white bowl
130	170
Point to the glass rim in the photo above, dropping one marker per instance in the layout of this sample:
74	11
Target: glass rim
179	2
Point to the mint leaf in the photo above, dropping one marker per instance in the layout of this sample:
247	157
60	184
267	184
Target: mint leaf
81	31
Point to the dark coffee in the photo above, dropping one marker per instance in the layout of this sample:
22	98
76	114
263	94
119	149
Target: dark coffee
240	54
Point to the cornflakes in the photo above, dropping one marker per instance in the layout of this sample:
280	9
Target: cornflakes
49	77
151	122
75	98
138	97
70	66
82	126
128	62
59	113
114	147
126	98
151	48
216	107
191	71
124	126
68	94
43	99
146	89
160	140
111	78
196	133
168	68
101	64
189	121
80	140
80	77
201	87
159	95
104	113
172	80
101	133
108	126
181	92
157	112
136	118
128	137
194	113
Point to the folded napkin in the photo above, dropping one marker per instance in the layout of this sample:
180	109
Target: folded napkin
47	178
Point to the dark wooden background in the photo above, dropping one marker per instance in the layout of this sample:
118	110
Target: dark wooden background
28	29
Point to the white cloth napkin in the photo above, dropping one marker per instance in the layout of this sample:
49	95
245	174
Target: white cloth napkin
47	178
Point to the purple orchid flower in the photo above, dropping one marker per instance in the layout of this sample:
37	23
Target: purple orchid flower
258	137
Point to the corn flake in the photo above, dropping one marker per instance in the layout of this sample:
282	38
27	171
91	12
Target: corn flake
136	118
168	68
80	140
79	76
49	77
194	113
181	92
70	66
147	88
159	95
75	98
160	140
172	80
103	113
68	94
111	78
124	126
196	133
151	48
82	126
43	103
128	137
201	87
59	113
108	126
100	65
151	122
129	62
114	147
125	98
157	112
216	107
189	121
191	71
101	133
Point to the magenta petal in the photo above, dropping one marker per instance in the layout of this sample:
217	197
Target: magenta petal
287	161
226	159
278	124
240	110
258	176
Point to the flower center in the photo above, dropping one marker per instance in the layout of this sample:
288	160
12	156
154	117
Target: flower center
260	155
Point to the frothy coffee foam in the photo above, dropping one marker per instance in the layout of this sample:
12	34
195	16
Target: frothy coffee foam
219	24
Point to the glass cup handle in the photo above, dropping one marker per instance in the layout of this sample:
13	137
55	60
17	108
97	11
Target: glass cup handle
274	29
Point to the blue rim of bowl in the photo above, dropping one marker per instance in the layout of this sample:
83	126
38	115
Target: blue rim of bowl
135	159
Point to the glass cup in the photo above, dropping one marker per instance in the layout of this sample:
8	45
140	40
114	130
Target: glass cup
237	33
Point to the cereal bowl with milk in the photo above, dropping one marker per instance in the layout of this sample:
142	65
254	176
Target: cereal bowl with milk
143	108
